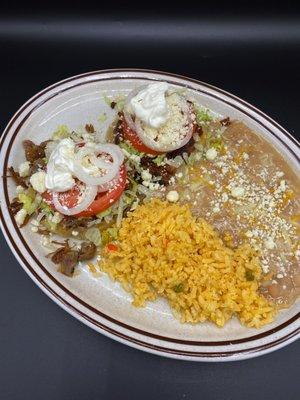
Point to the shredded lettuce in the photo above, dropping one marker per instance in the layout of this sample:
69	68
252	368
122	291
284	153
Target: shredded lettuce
113	232
93	235
107	100
196	156
159	159
102	117
133	185
120	105
109	235
217	144
49	224
61	132
104	213
203	115
119	100
30	205
130	149
120	212
46	208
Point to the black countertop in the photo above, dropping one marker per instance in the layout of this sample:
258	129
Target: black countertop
44	352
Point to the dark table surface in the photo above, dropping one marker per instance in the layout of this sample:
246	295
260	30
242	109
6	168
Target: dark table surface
44	352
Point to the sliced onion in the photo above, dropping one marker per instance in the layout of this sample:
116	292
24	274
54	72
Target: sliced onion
137	128
109	185
88	196
111	168
108	149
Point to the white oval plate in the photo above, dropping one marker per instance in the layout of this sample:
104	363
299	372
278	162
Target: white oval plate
100	303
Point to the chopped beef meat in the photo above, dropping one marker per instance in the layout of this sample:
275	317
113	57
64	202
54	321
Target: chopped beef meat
17	178
198	129
113	104
90	128
69	260
164	171
87	251
69	222
39	164
56	256
188	148
66	258
118	132
225	121
34	151
15	206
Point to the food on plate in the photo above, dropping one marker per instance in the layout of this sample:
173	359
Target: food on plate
177	202
173	255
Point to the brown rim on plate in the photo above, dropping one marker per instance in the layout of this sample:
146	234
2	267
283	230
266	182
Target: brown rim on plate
86	305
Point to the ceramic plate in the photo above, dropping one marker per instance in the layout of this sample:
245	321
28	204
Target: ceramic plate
100	303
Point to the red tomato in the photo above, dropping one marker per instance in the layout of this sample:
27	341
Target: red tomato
111	247
136	142
102	201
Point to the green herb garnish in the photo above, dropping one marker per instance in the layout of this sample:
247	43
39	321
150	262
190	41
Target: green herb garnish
249	275
178	288
62	132
203	116
159	159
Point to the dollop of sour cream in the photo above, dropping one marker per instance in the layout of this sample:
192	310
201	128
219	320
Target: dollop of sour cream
60	167
150	105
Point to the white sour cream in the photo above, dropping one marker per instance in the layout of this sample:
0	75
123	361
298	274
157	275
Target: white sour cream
60	167
150	105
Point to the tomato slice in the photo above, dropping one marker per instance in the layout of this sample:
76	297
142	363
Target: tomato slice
136	142
102	201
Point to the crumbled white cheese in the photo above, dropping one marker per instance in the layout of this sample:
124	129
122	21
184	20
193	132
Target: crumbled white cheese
175	129
265	268
173	196
211	154
245	156
269	243
279	276
34	229
281	188
279	174
153	186
172	180
75	233
237	192
135	158
146	176
46	241
37	181
224	197
57	217
282	185
179	175
20	216
24	169
19	189
216	209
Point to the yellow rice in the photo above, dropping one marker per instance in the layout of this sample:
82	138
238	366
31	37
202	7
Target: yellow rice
162	250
